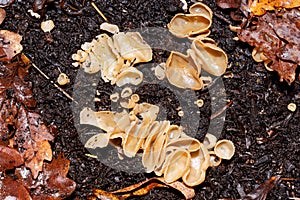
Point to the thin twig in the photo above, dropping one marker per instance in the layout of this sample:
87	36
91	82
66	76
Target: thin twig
221	110
99	11
59	88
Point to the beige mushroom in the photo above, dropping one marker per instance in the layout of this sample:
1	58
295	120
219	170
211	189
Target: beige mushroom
63	79
214	159
109	61
200	161
132	47
201	8
135	98
126	92
127	103
102	119
178	164
100	140
209	141
208	56
154	145
160	71
111	28
185	25
182	72
146	111
130	75
224	149
114	97
188	143
258	55
47	26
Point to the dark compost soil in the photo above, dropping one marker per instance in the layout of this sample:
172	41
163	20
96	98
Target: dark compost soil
264	131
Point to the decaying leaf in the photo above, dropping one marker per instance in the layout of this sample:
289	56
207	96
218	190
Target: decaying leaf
52	183
20	123
143	188
12	190
229	3
2	15
278	38
259	7
262	191
9	158
4	3
9	45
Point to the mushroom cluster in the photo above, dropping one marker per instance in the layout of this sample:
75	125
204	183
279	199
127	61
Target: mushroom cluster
166	149
114	57
184	71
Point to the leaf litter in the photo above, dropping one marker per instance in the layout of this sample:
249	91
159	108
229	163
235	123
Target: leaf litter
24	138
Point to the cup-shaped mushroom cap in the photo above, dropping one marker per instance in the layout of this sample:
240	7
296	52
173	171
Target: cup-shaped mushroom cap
184	25
130	75
182	72
174	133
126	92
210	57
188	143
100	140
146	110
135	136
267	64
80	56
209	141
214	159
108	58
160	71
127	103
135	98
154	144
258	55
199	164
111	28
132	47
224	149
178	164
201	8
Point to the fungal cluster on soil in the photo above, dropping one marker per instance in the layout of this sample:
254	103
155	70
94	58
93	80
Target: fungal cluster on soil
166	149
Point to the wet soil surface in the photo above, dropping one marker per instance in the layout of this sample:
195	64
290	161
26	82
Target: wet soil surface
264	131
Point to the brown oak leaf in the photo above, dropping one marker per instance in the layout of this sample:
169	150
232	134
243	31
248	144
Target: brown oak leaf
9	158
11	189
9	45
278	37
18	122
52	183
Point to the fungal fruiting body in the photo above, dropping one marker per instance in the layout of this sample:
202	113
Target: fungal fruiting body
203	53
167	150
114	57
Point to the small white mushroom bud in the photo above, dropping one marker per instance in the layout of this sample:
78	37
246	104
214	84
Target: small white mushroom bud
63	79
47	26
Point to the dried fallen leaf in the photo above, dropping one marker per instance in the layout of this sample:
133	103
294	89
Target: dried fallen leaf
143	188
262	191
52	184
4	3
20	123
278	38
2	15
9	158
259	7
229	3
12	190
9	45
